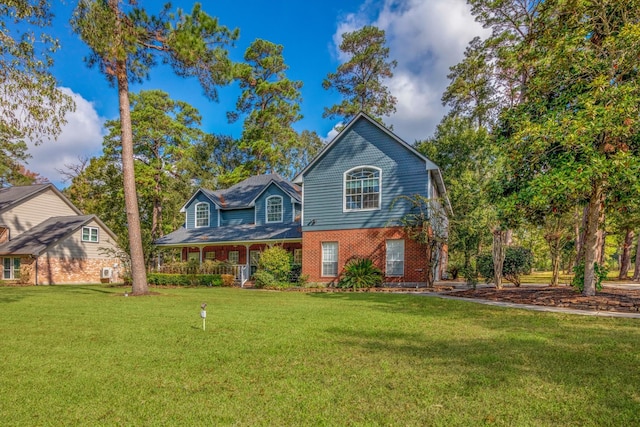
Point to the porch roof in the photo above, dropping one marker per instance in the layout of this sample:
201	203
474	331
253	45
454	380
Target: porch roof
244	233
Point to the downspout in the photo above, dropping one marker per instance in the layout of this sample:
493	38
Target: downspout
37	269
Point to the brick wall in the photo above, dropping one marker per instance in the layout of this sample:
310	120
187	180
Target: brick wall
363	243
61	271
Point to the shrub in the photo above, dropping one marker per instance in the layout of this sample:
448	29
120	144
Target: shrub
295	273
484	264
360	273
600	272
228	279
163	279
471	276
264	279
277	262
517	261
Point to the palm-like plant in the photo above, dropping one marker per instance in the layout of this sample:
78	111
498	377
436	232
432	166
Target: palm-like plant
360	273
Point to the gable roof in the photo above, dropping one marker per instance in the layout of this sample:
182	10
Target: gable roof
429	165
14	196
46	234
244	193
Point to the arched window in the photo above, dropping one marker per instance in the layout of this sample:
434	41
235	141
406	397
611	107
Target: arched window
362	189
202	215
274	209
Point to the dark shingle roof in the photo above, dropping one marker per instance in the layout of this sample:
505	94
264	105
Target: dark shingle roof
13	195
232	233
44	235
244	193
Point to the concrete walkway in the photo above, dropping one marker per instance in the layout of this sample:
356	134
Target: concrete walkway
633	286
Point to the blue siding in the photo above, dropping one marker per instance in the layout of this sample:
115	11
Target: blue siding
191	211
237	217
261	205
364	144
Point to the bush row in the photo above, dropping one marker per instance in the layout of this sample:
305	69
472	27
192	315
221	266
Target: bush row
185	279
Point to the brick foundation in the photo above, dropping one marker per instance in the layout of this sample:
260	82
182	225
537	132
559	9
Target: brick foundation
361	243
63	271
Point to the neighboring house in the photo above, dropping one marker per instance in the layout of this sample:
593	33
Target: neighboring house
339	208
45	239
348	192
236	224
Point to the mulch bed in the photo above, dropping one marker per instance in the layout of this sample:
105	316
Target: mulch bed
608	299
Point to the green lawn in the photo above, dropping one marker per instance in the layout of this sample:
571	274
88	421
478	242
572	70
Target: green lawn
86	355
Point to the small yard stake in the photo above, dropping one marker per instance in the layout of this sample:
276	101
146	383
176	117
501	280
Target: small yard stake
203	314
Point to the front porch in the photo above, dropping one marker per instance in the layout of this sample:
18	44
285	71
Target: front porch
240	260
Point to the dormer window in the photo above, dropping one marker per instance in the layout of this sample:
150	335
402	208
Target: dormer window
362	189
202	215
274	209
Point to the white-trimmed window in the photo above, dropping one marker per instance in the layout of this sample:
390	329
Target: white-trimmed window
297	256
395	258
90	234
329	259
274	209
211	255
202	215
234	257
11	268
362	189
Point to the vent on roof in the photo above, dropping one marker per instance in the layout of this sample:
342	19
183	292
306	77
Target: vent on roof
105	273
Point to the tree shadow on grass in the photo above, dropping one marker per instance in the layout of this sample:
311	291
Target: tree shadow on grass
503	360
9	295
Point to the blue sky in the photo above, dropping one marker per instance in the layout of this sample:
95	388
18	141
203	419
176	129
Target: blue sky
426	37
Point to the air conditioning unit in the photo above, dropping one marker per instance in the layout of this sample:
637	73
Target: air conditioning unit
105	273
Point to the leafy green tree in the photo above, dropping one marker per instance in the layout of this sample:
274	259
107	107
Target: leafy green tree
492	77
163	133
360	80
270	103
32	107
463	153
126	42
574	136
216	162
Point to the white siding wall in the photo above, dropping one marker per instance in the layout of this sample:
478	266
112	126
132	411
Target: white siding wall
74	247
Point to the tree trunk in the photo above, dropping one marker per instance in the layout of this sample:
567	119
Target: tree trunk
636	271
138	271
591	240
497	253
429	270
580	236
625	257
553	240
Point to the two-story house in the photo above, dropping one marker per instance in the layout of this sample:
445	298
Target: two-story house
344	204
45	239
237	223
351	204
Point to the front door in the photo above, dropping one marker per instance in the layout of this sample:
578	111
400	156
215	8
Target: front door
254	258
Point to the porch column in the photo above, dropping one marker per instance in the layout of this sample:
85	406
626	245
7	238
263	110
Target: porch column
248	260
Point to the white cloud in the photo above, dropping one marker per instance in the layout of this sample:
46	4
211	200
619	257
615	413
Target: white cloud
426	37
80	137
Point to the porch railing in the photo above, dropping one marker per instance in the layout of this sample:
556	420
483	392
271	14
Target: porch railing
240	272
